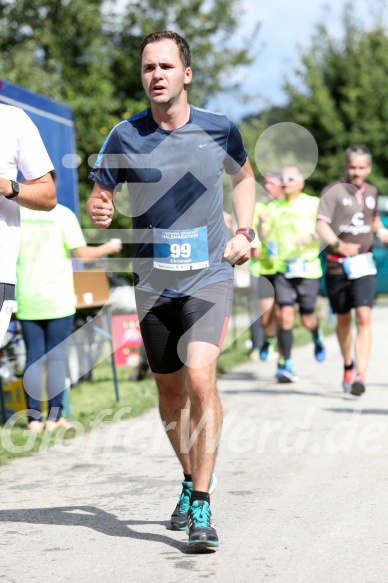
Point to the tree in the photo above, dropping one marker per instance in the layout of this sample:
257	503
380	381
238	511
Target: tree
85	53
64	53
208	26
340	95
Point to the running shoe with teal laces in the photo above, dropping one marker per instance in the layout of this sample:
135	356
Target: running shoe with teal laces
179	516
285	374
202	535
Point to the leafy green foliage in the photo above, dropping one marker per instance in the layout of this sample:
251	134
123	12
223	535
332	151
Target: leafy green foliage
340	95
207	26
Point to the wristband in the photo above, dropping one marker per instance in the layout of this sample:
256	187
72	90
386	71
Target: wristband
15	190
248	233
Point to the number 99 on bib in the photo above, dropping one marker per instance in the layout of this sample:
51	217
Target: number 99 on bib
184	250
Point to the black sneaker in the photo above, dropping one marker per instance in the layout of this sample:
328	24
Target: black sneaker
202	535
358	386
179	516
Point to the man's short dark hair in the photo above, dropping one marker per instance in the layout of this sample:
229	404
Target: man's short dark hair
181	43
357	151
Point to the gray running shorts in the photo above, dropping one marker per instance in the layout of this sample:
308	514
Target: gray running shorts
298	290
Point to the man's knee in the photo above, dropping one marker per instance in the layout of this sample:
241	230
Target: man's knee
201	387
344	320
286	317
172	401
363	317
308	319
171	389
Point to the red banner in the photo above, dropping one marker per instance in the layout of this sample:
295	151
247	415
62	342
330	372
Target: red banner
126	339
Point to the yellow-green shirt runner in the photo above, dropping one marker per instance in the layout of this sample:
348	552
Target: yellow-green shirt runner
289	220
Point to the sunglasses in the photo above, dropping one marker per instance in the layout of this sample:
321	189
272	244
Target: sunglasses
291	179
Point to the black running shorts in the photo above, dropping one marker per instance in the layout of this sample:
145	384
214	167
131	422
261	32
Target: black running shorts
345	294
296	290
165	321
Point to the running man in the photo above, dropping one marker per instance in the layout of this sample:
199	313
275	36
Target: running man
291	228
172	156
347	222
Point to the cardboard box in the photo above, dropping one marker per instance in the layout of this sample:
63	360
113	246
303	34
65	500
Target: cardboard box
92	286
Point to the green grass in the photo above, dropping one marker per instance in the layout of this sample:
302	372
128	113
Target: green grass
89	398
234	354
88	401
95	400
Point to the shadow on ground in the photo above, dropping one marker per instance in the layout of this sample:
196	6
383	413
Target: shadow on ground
95	519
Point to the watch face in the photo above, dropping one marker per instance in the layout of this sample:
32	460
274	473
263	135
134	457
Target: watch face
15	188
249	233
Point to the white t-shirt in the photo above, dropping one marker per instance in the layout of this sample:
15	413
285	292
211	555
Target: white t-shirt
21	148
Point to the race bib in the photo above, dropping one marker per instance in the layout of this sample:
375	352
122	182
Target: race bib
295	268
359	265
181	250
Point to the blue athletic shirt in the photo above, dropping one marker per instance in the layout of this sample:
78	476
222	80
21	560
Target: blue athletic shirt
175	188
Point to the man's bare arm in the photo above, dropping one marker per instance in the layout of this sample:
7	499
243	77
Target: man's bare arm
237	251
244	195
89	252
329	237
37	195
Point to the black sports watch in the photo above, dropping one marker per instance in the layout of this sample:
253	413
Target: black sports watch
248	233
15	190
